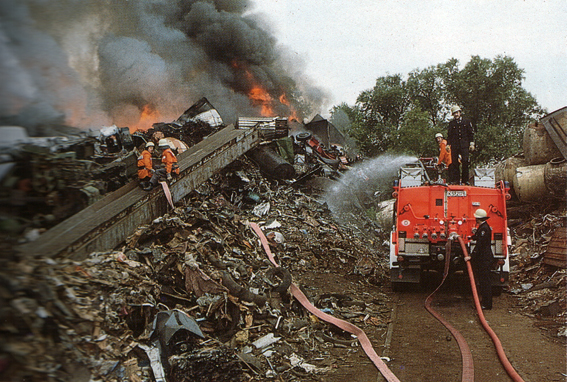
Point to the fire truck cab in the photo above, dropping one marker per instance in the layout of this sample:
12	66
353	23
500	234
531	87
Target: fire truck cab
428	212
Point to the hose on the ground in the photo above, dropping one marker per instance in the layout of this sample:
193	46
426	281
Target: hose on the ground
344	325
499	349
466	355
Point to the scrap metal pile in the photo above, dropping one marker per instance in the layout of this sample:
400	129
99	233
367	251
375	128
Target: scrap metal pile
192	296
540	285
44	180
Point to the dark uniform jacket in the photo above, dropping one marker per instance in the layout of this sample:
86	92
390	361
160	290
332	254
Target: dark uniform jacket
482	252
460	134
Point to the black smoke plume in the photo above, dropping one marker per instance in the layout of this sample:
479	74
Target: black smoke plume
93	63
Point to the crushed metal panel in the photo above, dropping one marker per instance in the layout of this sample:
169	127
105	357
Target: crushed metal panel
203	111
410	177
556	125
269	127
556	252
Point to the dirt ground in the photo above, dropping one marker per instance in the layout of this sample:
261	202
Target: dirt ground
421	349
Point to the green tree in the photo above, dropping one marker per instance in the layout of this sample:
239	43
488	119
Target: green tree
377	115
415	135
390	115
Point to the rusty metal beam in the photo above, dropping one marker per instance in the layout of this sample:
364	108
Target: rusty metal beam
108	222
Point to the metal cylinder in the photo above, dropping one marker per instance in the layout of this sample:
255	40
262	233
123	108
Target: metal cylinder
529	183
271	163
540	182
555	176
506	170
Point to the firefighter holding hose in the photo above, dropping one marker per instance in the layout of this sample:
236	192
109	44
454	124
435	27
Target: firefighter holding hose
482	258
444	160
169	165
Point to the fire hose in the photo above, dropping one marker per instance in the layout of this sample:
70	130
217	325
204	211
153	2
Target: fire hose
468	369
499	349
344	325
167	193
466	355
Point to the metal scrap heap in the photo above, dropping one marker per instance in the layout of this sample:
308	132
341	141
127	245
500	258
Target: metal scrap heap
191	296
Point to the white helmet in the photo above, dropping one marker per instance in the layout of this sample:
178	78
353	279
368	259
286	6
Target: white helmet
438	135
480	214
163	143
454	109
150	144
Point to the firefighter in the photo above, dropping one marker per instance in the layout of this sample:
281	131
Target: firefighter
169	165
168	158
145	167
444	152
460	136
482	258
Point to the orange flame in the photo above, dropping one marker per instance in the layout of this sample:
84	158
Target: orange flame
148	117
260	96
293	112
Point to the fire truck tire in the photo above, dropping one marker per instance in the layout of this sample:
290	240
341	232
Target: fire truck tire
397	286
496	290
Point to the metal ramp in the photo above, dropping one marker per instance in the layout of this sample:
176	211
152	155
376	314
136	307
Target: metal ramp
112	219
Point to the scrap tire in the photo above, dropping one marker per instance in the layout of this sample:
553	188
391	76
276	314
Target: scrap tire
303	136
283	275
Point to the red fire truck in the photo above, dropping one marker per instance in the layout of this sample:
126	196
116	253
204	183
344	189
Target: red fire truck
428	213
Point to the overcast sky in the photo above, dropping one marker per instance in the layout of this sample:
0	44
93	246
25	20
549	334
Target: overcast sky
346	45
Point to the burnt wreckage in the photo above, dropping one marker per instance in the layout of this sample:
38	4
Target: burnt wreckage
43	181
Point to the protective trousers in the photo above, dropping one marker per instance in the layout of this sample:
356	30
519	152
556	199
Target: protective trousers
454	171
483	278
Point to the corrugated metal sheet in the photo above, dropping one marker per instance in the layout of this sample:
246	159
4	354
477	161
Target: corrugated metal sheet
556	253
556	125
269	127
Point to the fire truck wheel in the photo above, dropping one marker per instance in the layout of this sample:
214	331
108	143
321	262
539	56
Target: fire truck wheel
496	290
397	287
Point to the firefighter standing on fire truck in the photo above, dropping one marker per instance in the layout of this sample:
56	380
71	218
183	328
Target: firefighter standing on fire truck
482	257
444	151
460	136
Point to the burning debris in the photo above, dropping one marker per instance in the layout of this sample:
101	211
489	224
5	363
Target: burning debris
191	295
46	180
134	65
